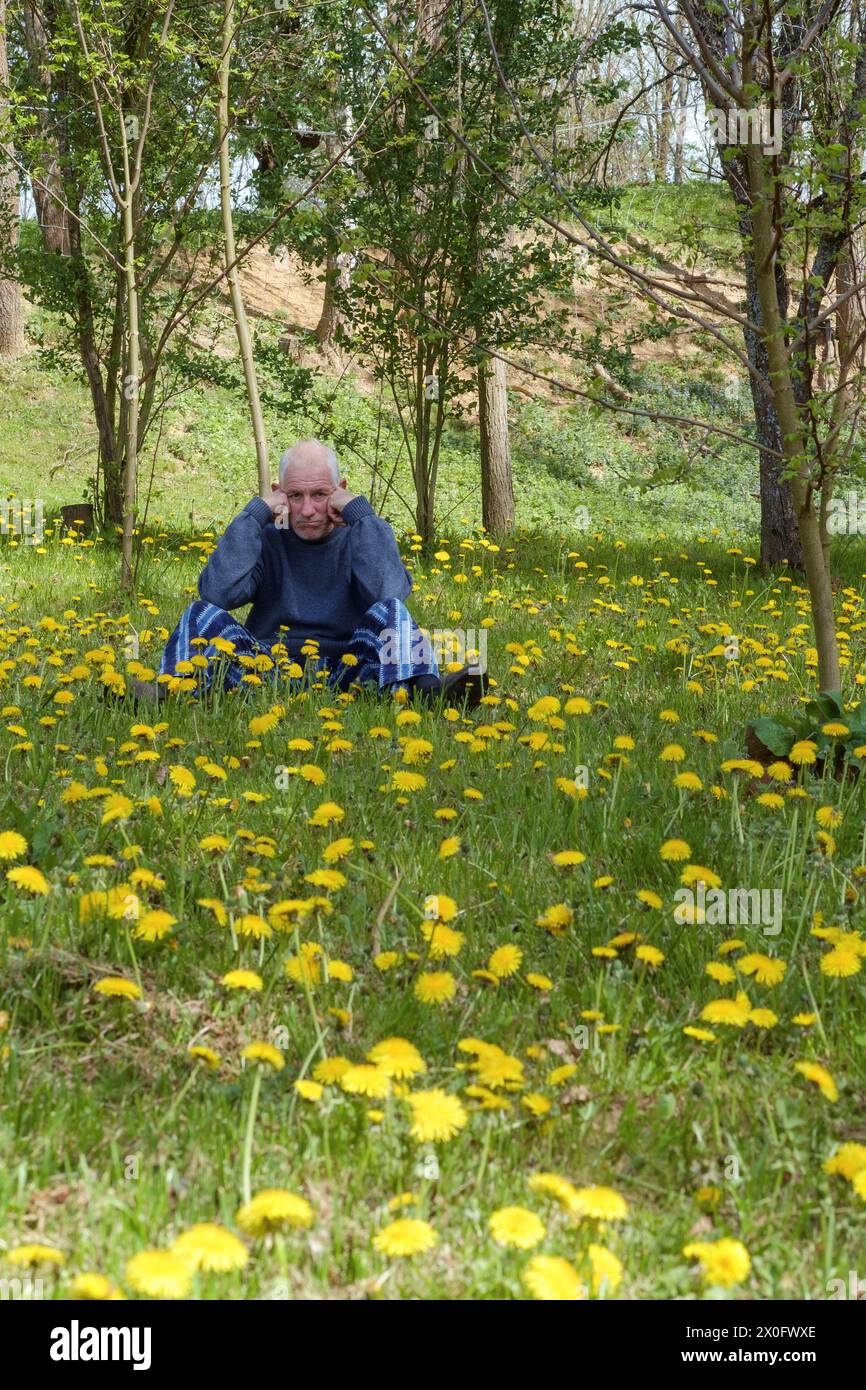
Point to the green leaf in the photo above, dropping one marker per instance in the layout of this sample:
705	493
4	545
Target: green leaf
826	706
773	735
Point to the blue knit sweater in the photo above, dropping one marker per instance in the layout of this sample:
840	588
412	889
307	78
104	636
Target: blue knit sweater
318	588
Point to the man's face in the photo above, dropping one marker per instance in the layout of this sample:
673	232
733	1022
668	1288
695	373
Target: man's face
308	487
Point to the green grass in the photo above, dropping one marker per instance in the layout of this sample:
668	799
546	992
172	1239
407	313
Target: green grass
110	1147
115	1141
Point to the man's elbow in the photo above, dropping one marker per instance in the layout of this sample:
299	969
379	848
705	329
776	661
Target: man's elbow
211	591
401	590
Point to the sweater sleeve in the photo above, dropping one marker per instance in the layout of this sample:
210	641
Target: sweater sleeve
234	571
377	568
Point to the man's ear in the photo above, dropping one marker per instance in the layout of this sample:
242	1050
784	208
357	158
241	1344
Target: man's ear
344	483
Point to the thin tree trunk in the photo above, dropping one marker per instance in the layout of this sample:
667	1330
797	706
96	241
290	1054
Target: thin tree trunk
780	538
680	142
666	122
240	315
497	491
132	379
330	317
11	303
47	178
814	557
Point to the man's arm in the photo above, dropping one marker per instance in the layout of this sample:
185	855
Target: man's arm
234	571
376	565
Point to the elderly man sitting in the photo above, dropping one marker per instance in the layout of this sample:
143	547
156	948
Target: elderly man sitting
326	581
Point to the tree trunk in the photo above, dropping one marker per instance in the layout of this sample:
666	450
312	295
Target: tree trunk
793	442
330	317
132	377
851	316
680	142
47	179
780	538
497	492
240	315
11	303
666	122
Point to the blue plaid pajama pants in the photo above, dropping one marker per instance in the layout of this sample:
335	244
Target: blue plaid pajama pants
388	646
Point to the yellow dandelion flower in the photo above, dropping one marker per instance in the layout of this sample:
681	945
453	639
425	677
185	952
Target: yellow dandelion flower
338	849
505	961
702	1034
763	1018
331	1069
780	772
154	925
727	947
115	987
159	1274
729	1012
539	982
554	1186
95	1288
840	962
440	907
650	955
12	845
250	924
675	850
29	878
210	1248
698	873
326	814
567	858
273	1208
560	1074
444	941
435	987
331	879
407	1236
35	1254
264	1052
556	918
536	1103
206	1055
309	1090
848	1160
553	1279
436	1116
813	1071
599	1204
214	844
242	979
398	1058
766	969
386	960
362	1080
723	1262
606	1269
517	1227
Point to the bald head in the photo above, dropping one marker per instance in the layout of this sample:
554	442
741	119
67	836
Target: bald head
309	474
311	458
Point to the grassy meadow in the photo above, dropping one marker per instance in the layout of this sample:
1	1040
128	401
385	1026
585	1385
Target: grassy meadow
397	997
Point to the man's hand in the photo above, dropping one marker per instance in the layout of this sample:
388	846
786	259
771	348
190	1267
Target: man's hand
336	502
277	501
